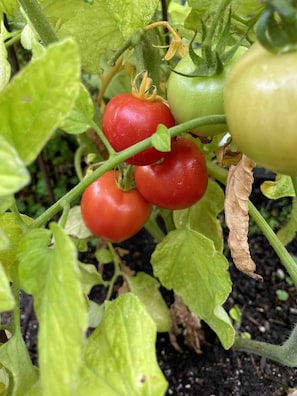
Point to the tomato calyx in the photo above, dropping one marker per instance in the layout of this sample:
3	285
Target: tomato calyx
124	177
143	88
277	27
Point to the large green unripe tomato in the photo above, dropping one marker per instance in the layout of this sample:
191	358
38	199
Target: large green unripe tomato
261	108
192	97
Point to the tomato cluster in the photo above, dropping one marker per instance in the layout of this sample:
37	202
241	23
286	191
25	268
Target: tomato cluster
172	180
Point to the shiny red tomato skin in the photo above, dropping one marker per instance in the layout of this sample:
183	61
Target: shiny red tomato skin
178	181
128	120
111	213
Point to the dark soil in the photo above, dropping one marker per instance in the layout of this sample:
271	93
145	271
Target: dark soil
217	371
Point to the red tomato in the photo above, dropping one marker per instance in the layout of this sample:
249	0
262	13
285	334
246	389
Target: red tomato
111	213
128	120
178	181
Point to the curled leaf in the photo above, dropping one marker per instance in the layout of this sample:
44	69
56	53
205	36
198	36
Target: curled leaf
238	190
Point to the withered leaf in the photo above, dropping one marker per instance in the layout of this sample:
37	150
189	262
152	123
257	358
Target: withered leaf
238	190
185	323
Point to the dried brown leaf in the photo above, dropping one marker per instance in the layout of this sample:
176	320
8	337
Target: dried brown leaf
227	157
185	323
238	190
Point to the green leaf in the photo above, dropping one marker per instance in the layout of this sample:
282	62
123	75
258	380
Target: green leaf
39	97
89	277
51	275
161	139
75	225
100	26
6	202
13	231
281	187
13	174
81	116
4	64
14	357
119	357
130	15
188	262
8	6
146	288
95	314
288	232
247	8
202	216
104	256
6	298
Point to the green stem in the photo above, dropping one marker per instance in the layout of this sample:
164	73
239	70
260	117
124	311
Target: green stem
16	315
117	271
212	28
116	159
283	254
23	225
153	228
40	22
285	354
77	162
168	220
65	213
14	38
131	42
103	138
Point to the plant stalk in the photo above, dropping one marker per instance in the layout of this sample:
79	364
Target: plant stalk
39	21
285	354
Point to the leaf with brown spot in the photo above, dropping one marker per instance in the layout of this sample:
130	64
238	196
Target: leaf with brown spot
238	190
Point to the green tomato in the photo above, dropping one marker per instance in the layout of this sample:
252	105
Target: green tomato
260	105
192	97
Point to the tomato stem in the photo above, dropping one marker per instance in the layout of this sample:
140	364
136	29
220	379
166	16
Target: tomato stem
210	34
40	22
285	354
153	227
131	42
117	270
106	143
105	80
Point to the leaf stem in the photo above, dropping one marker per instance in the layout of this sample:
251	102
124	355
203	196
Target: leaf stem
285	354
212	28
283	254
117	271
153	228
39	21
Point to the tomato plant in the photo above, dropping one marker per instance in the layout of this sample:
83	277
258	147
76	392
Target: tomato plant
191	97
260	100
112	213
128	120
178	181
